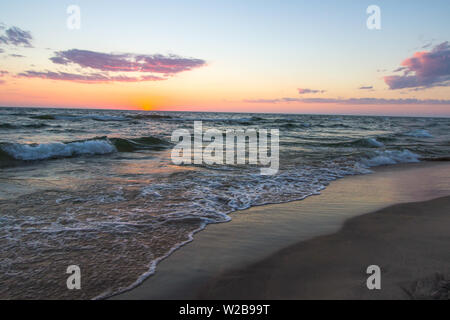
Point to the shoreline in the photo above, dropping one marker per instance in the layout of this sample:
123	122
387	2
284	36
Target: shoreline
409	242
261	232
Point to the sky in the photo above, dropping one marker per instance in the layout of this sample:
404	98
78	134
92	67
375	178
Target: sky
233	56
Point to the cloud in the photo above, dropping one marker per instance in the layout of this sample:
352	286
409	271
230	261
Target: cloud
2	81
15	55
399	69
87	78
110	67
16	37
306	91
352	101
366	88
424	69
378	101
264	100
127	62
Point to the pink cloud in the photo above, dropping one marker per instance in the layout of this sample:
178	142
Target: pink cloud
424	69
109	67
352	101
127	62
86	78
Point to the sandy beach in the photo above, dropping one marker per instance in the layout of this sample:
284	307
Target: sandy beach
410	243
319	248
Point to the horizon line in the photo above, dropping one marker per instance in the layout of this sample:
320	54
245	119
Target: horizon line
232	112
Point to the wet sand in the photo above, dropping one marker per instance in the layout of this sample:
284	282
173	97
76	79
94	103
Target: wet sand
409	242
267	252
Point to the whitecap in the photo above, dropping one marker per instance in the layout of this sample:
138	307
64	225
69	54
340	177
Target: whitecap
387	157
421	133
45	151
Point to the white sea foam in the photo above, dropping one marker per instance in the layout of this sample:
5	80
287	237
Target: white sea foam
374	142
391	157
421	133
58	149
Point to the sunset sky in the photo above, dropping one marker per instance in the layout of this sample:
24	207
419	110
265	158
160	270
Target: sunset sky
235	56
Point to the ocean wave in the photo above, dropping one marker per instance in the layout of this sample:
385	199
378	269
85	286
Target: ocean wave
95	117
291	125
29	152
333	125
149	116
25	126
44	117
5	159
96	146
143	143
421	133
364	143
374	142
387	157
7	126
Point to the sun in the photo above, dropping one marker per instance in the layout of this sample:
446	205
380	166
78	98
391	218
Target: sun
147	104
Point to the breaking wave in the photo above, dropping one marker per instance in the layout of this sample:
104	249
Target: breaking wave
96	146
387	157
419	134
28	152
